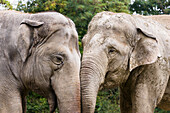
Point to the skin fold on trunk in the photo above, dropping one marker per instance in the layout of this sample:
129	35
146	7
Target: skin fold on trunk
91	78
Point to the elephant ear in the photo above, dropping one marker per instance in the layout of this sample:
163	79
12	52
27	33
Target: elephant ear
26	36
146	50
32	23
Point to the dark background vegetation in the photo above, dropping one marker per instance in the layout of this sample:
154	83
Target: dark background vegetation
81	12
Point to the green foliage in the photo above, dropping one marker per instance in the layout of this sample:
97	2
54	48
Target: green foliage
150	7
6	4
36	103
108	102
158	110
32	6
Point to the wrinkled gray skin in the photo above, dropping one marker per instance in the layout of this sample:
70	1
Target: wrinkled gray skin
165	21
131	52
38	52
162	19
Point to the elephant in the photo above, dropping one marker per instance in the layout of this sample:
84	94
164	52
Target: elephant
39	52
162	19
130	52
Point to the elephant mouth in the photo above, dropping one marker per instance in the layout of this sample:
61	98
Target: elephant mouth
107	74
103	85
110	81
52	101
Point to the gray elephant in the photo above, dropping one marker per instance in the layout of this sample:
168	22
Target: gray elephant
38	52
162	19
131	52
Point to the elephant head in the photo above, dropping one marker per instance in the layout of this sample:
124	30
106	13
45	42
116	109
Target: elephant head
115	45
49	52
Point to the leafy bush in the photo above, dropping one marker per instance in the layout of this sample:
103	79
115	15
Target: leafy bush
36	103
108	102
158	110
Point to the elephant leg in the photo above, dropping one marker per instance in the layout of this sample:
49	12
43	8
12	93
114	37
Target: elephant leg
125	101
149	88
126	91
142	101
24	102
12	105
165	102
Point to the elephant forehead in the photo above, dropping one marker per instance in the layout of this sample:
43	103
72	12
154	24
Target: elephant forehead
63	34
106	20
120	45
63	38
97	38
53	48
106	40
100	35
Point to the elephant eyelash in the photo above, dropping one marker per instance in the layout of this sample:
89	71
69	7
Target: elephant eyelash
111	50
58	62
57	57
58	53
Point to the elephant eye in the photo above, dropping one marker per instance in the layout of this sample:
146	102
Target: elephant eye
111	50
57	59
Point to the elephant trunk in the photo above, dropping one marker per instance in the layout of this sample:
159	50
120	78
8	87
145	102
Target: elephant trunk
69	100
91	76
67	88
